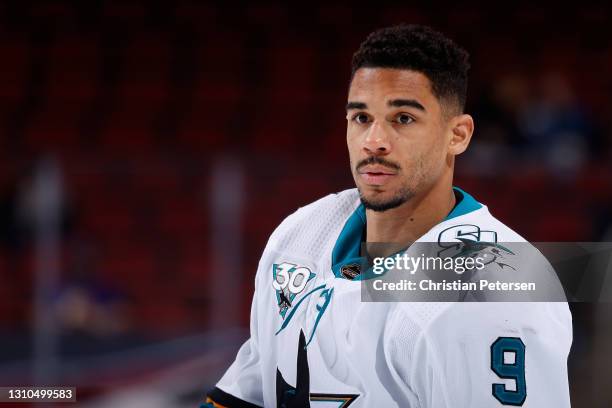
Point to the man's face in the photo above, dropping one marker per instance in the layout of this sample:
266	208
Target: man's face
396	136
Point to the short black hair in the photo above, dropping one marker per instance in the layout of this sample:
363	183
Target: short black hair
422	49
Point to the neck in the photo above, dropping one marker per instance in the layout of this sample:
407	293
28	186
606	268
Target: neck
411	220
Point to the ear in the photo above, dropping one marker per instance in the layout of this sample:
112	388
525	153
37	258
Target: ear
461	129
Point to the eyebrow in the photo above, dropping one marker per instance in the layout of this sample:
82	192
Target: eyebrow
356	105
395	103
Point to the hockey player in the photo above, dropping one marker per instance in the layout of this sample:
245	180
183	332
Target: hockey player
314	342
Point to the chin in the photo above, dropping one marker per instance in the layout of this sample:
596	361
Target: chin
381	202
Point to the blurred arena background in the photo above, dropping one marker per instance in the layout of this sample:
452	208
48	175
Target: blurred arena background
147	150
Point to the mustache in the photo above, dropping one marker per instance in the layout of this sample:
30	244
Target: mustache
377	160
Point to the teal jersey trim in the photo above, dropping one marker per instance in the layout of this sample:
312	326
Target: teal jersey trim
347	248
465	204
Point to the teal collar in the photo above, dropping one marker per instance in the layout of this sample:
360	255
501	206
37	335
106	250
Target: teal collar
465	204
346	255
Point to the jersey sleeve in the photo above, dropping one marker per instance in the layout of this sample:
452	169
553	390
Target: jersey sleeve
241	385
493	355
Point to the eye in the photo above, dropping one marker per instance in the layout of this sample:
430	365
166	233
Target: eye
361	118
404	119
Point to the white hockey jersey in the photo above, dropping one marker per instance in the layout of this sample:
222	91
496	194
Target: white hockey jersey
315	343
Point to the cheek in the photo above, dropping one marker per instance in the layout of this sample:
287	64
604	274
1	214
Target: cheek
422	157
352	143
435	159
349	139
352	134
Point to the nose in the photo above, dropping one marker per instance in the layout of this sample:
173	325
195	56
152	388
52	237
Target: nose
376	141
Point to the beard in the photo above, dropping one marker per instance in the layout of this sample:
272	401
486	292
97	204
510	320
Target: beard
403	195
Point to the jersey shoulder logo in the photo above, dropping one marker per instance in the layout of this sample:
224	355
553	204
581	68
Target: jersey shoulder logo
470	240
289	280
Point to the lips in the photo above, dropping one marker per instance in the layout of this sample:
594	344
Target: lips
376	175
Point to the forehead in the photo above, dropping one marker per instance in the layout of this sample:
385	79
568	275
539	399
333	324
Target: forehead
382	84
